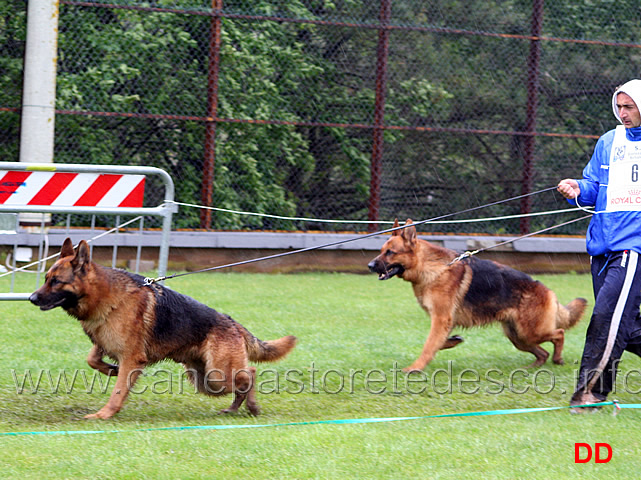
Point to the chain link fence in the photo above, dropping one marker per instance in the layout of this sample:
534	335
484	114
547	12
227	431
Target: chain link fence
312	110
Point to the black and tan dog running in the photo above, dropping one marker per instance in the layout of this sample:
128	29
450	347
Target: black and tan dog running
138	325
474	293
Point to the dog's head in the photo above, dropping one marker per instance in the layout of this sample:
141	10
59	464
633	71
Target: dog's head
397	253
64	285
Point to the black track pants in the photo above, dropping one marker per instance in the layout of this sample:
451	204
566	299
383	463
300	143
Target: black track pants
615	325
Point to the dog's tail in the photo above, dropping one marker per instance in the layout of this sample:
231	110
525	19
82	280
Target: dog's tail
570	314
267	351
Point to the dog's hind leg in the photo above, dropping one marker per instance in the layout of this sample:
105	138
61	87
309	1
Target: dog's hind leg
244	389
540	354
195	373
223	369
536	350
558	338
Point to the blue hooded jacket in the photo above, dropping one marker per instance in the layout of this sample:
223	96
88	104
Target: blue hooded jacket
608	231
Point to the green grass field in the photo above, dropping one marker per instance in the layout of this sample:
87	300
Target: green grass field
354	334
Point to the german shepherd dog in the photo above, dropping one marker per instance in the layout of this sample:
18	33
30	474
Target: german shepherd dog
137	325
474	293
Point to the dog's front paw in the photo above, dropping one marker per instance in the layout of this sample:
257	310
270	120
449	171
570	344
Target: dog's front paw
412	369
102	414
225	411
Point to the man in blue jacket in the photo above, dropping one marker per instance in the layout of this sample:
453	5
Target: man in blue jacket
612	185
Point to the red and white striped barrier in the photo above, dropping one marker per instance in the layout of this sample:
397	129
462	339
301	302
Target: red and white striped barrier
71	189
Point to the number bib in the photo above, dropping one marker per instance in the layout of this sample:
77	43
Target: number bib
624	185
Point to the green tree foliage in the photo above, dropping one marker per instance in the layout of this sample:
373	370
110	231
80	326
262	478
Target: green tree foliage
12	36
289	81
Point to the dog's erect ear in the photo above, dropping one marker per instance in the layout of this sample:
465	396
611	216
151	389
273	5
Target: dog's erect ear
409	233
67	248
396	225
82	255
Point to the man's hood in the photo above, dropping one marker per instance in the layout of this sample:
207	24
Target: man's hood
633	89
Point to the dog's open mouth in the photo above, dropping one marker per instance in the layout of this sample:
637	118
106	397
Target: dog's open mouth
47	305
391	271
44	308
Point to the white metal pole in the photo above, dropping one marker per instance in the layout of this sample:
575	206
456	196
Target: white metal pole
39	87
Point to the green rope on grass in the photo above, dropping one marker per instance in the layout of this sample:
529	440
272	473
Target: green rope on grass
347	421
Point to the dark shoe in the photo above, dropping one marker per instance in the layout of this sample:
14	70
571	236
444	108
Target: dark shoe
584	404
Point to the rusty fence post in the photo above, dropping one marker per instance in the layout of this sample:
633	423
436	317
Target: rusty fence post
209	161
376	167
531	112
